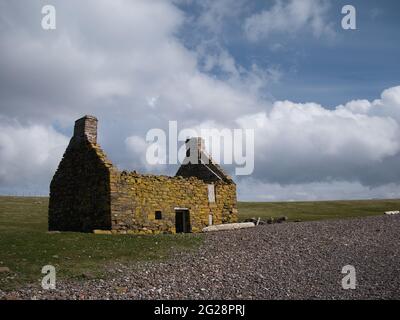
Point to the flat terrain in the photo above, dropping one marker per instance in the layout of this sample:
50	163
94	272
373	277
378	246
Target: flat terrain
282	261
317	210
26	246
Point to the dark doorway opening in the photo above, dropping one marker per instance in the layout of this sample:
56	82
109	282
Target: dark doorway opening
182	221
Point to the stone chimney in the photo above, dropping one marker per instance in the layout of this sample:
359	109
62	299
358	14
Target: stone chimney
195	150
86	129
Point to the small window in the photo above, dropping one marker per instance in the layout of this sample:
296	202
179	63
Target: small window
158	215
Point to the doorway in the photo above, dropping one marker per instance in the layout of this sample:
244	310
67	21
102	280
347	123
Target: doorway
182	221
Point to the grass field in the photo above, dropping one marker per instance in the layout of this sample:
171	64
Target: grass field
25	245
317	210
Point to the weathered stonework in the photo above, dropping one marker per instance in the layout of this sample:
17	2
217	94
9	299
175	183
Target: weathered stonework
88	193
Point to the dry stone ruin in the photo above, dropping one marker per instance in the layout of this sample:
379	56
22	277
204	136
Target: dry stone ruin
88	193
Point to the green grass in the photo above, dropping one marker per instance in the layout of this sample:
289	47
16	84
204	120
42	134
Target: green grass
316	210
25	246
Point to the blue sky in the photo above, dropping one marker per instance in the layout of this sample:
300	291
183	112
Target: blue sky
324	102
353	64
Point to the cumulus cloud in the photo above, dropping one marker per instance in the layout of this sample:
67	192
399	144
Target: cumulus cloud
152	160
298	143
104	56
100	52
289	17
112	60
29	155
307	152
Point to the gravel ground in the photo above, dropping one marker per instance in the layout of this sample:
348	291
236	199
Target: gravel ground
282	261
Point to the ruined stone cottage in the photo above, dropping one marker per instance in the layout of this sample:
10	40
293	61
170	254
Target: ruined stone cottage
88	193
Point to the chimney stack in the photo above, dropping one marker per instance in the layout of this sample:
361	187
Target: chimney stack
195	150
86	129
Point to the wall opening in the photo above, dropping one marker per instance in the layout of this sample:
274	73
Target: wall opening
182	221
158	215
211	193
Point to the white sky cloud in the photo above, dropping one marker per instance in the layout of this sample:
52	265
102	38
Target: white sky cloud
290	17
300	143
29	155
127	66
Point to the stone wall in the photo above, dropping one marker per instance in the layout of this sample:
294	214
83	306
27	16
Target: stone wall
80	190
87	193
135	199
